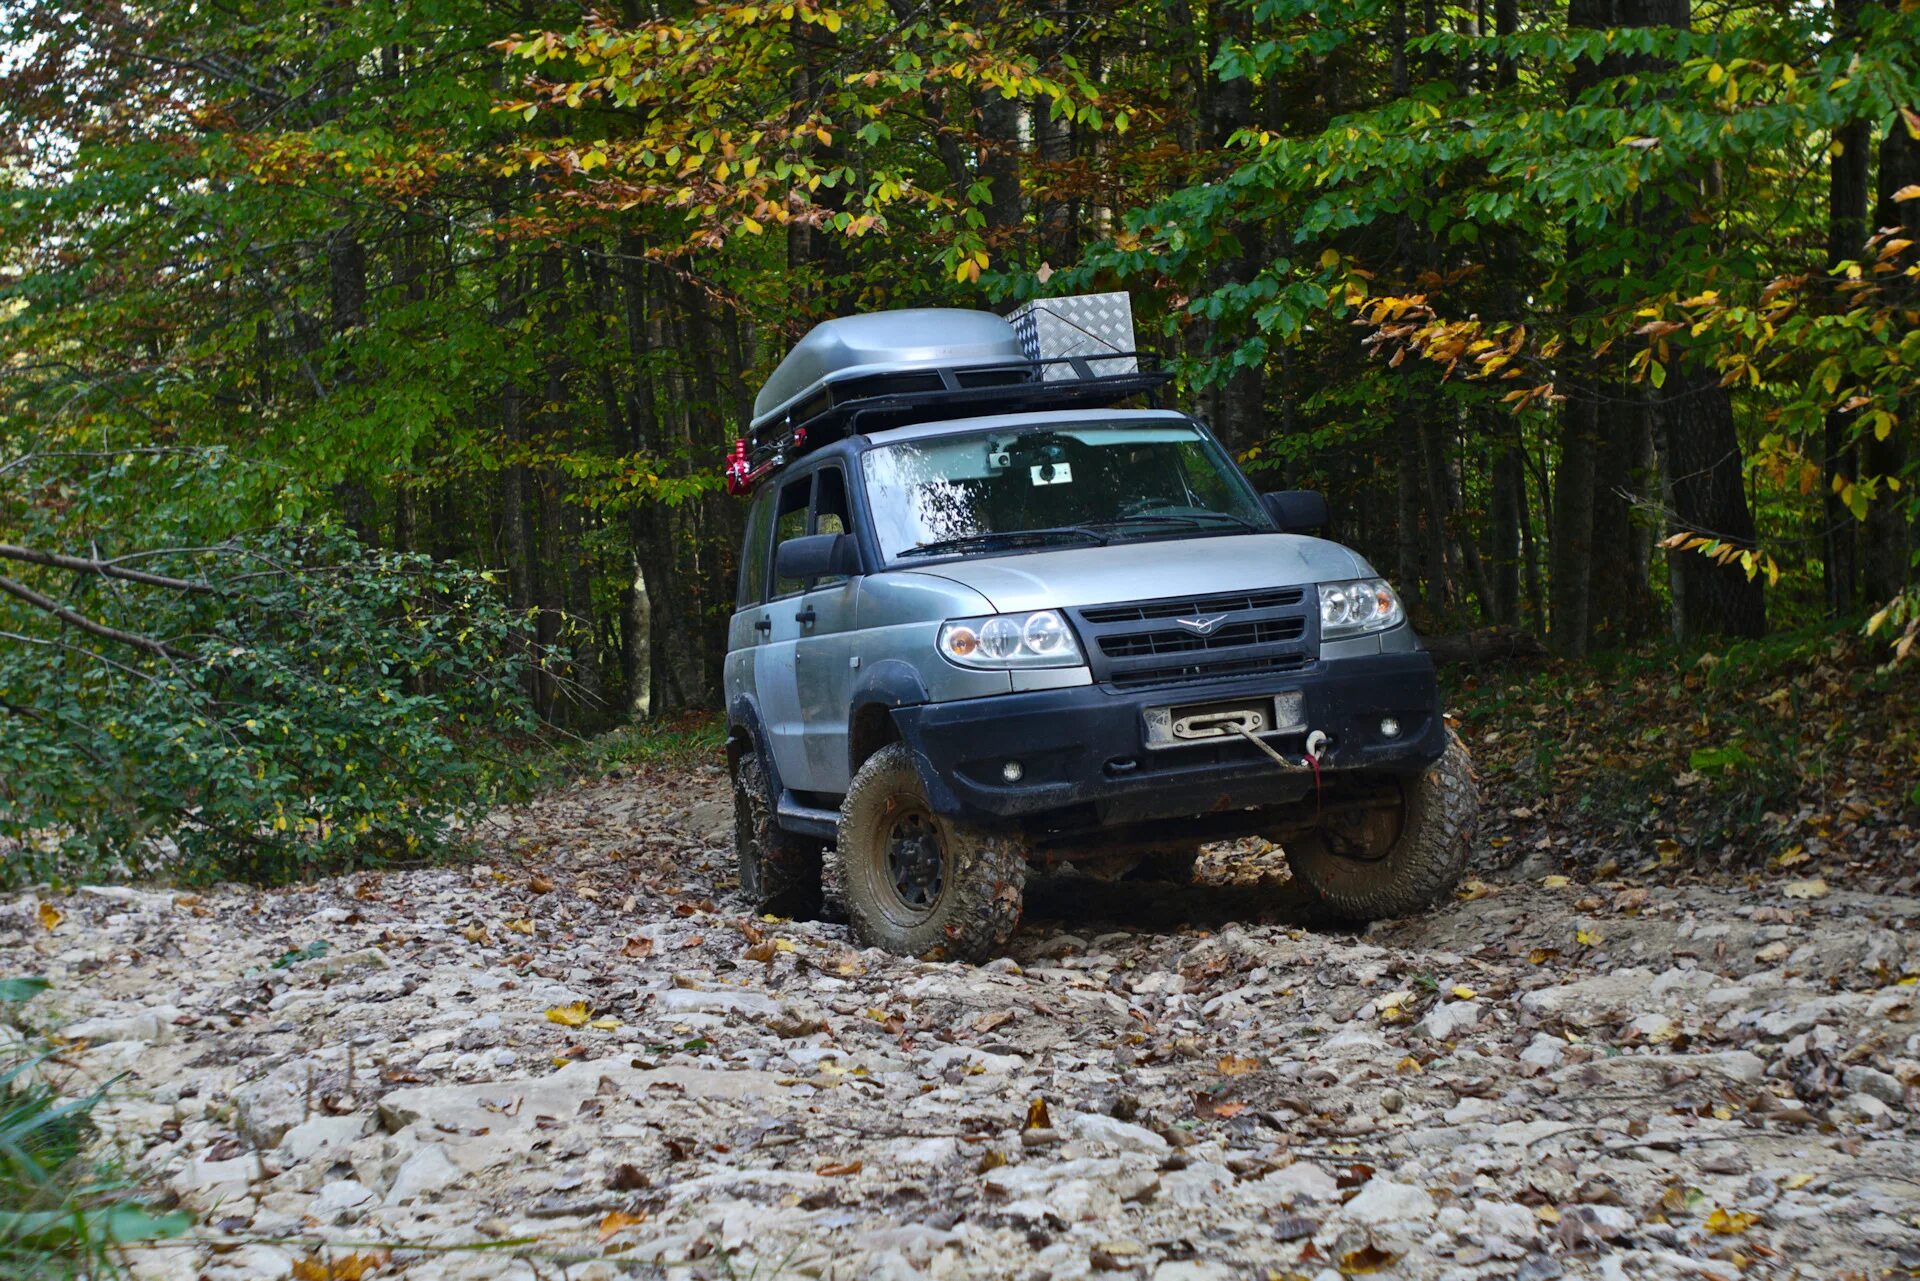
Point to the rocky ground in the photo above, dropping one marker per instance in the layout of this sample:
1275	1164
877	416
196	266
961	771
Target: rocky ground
585	1060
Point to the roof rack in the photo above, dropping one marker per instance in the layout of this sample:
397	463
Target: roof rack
880	400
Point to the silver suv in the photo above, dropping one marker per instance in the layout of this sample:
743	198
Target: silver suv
987	618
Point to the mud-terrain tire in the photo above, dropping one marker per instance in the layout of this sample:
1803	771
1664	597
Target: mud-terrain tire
779	871
1423	863
1172	863
913	882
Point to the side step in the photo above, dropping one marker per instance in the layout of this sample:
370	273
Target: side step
805	820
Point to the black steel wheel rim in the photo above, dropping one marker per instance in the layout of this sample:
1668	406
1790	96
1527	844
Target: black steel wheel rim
914	864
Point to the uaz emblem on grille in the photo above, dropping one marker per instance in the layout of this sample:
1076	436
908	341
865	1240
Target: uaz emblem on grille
1201	626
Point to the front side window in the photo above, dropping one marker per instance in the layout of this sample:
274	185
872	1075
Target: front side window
1054	484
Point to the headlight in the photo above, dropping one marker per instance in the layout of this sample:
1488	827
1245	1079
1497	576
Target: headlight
1358	606
1039	639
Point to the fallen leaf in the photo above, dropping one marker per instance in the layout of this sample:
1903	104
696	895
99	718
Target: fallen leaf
1235	1065
637	947
540	884
1814	888
1588	938
574	1015
475	934
1794	1182
763	952
1726	1223
1541	955
607	1024
834	1171
1556	882
1037	1116
1463	992
520	926
1365	1261
992	1019
50	916
1408	1066
618	1221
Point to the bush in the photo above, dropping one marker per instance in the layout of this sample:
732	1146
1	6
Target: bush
312	705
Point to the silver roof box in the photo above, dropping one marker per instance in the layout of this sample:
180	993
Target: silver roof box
885	342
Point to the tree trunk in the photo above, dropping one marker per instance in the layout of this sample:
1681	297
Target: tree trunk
1886	558
1694	418
1848	182
1503	530
1570	545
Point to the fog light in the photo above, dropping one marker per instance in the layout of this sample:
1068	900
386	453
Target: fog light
1012	771
1389	727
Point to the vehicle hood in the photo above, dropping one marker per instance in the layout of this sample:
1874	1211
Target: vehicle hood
1076	576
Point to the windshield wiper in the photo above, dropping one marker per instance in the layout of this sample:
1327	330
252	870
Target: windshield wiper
989	537
1184	518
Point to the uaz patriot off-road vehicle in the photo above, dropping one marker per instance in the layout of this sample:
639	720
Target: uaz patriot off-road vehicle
985	617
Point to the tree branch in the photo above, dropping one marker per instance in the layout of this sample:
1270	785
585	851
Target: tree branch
103	567
72	619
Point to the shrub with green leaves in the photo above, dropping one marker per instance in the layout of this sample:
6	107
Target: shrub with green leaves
288	702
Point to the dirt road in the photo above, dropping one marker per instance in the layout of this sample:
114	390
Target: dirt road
585	1060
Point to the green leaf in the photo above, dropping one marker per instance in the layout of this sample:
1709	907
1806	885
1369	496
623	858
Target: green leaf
20	990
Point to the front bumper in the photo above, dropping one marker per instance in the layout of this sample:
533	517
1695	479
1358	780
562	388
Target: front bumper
1085	761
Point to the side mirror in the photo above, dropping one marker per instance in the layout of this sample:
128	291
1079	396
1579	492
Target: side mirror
817	556
1297	511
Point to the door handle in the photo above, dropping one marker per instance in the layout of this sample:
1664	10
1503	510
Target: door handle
805	617
763	624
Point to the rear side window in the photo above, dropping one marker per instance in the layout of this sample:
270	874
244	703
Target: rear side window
756	551
790	521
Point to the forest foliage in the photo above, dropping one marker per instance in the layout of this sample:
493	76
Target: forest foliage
414	334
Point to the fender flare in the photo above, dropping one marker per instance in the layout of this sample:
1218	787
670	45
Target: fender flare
745	731
893	684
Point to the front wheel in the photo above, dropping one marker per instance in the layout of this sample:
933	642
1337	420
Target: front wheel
1400	858
911	881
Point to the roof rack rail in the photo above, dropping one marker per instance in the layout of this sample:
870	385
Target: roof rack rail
930	393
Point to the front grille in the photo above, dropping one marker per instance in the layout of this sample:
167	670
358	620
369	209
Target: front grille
1141	644
1184	673
1263	632
1225	603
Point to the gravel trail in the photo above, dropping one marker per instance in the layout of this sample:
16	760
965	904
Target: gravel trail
584	1059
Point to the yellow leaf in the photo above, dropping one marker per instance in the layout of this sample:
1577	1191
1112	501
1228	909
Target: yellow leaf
1716	73
1794	1182
1556	882
1038	1117
606	1024
1463	992
618	1221
1813	888
1726	1223
521	926
50	916
1588	937
1909	192
1330	258
1234	1065
1408	1066
574	1015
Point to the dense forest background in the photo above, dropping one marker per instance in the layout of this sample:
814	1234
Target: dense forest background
368	367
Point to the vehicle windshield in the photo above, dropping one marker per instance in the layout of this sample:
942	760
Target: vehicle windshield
1054	484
